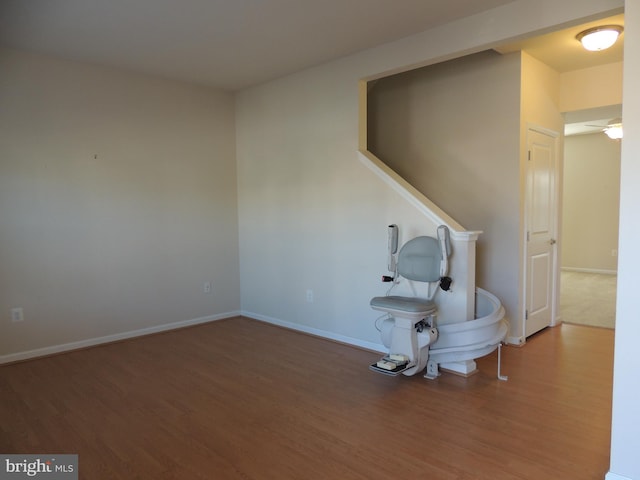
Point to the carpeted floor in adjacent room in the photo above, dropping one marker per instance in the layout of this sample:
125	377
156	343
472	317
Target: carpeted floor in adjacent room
588	298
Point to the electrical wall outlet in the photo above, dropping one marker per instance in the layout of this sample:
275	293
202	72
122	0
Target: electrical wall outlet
310	296
17	314
207	287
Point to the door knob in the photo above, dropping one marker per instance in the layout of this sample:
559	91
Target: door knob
552	241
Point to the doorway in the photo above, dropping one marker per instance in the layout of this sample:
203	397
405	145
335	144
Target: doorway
591	191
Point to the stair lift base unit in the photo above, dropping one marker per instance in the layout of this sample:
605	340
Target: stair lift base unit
457	345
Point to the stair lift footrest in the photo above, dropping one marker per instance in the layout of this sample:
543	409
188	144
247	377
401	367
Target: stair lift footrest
397	370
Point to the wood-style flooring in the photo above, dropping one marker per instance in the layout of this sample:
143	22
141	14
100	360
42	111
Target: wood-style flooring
241	399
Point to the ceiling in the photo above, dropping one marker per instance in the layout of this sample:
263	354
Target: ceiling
561	51
233	44
229	44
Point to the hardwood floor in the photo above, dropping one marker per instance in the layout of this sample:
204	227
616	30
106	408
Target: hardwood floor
240	399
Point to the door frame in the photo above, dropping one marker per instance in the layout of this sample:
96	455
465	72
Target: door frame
555	256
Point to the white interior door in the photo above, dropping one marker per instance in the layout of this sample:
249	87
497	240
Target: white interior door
541	204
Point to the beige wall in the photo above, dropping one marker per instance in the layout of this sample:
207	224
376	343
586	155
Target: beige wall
591	202
540	97
591	87
92	247
313	217
451	130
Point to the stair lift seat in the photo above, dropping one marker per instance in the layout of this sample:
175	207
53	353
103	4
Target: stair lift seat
419	260
410	307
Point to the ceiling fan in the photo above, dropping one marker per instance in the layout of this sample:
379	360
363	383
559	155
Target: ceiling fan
613	128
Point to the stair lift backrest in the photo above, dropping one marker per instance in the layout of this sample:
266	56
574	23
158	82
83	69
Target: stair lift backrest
420	259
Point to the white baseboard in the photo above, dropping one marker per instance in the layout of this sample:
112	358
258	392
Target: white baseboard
90	342
589	270
615	476
376	347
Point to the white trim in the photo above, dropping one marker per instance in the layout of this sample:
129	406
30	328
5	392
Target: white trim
542	130
515	340
376	347
589	270
415	198
615	476
90	342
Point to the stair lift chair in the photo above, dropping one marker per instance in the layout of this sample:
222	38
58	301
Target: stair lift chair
422	259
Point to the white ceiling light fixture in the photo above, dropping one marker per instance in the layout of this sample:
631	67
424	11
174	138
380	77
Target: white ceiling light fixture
599	38
614	129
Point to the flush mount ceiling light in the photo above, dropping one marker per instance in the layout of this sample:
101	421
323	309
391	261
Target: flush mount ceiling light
599	38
